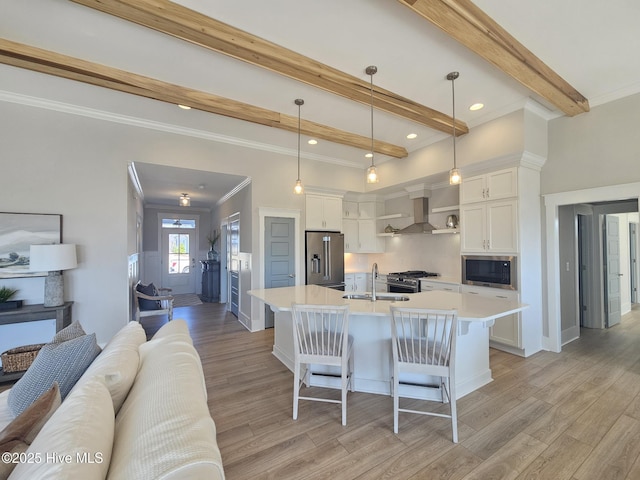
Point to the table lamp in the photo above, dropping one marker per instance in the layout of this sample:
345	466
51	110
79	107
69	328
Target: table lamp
53	259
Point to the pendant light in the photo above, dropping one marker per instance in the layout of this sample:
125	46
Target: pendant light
298	187
454	174
372	171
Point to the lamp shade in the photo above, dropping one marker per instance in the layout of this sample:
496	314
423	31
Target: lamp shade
52	258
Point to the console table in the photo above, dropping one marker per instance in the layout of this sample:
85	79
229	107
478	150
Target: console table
34	313
210	281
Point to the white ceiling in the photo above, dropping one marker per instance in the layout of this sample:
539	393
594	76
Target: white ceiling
590	43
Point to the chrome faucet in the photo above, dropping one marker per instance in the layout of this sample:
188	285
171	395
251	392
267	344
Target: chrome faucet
374	275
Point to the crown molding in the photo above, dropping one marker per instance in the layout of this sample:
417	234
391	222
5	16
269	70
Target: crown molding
103	115
233	191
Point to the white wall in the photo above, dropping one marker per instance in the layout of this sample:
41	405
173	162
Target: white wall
594	149
70	165
77	166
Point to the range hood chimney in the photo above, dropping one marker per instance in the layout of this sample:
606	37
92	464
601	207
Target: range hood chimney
420	217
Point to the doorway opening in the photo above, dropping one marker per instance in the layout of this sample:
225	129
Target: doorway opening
597	269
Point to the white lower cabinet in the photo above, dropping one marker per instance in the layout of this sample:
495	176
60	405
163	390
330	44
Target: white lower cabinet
349	282
506	330
426	286
360	282
356	282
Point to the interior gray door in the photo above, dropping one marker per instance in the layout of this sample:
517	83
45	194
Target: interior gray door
612	300
633	259
279	257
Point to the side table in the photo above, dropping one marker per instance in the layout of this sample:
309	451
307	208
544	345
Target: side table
34	313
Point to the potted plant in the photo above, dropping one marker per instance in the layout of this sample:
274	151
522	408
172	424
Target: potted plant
5	299
213	238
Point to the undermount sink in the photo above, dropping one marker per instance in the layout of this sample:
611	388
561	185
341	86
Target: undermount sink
379	296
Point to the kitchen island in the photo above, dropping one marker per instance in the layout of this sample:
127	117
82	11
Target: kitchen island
370	326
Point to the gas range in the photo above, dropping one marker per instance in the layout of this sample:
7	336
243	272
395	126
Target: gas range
407	282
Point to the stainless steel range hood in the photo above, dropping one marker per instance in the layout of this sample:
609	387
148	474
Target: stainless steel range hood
420	218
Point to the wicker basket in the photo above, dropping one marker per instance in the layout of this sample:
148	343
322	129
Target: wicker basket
19	358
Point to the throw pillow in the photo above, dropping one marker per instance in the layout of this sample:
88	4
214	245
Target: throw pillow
19	434
57	362
80	432
69	332
150	290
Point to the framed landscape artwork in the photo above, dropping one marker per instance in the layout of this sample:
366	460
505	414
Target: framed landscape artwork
18	231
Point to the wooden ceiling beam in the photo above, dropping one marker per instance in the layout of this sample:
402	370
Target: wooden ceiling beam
191	26
44	61
465	22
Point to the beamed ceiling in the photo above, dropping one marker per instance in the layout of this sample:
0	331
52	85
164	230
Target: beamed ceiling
249	60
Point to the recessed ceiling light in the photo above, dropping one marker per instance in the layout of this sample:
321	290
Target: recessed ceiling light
184	107
411	136
369	155
312	142
476	106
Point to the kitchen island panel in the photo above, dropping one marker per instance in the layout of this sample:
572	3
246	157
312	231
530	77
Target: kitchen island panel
370	326
373	357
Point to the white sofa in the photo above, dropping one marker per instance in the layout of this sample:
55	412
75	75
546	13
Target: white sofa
138	412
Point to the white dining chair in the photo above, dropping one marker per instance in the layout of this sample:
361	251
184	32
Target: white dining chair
321	337
424	343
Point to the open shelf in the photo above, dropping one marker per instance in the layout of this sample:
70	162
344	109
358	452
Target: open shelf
450	208
392	215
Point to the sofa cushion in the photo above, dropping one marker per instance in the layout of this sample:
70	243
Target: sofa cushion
173	328
118	363
79	434
16	437
57	362
74	330
177	438
152	291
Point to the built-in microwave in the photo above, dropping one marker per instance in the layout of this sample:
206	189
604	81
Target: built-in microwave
490	271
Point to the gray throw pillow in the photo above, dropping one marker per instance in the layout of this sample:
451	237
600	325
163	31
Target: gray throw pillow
57	362
69	332
152	291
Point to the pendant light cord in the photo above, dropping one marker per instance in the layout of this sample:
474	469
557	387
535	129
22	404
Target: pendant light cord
453	96
299	105
371	77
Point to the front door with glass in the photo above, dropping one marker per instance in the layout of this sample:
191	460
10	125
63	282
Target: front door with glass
178	259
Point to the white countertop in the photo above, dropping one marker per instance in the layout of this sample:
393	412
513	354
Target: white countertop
472	308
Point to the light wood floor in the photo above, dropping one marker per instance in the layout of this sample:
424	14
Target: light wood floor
574	415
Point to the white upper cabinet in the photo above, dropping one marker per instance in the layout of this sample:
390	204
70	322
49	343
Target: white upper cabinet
489	212
368	239
491	186
489	227
350	210
323	212
367	210
351	237
360	227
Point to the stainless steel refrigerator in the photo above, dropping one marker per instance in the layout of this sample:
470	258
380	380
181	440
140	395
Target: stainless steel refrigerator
324	253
